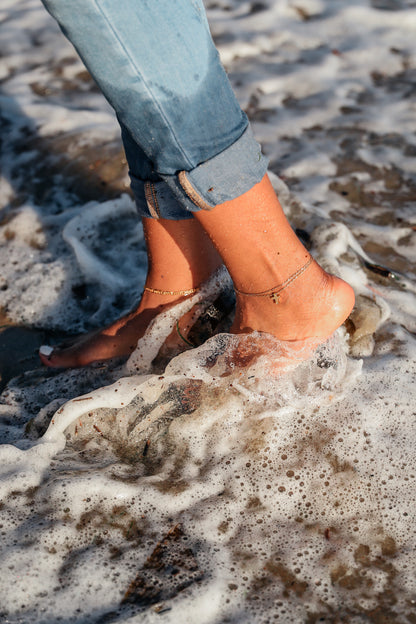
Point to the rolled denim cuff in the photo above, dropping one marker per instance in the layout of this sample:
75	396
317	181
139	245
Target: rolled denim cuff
156	200
226	176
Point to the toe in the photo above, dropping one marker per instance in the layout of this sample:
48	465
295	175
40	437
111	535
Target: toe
45	354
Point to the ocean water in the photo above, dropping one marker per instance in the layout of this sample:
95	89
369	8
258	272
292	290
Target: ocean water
218	484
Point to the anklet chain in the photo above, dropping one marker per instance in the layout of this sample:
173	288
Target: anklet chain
182	293
274	293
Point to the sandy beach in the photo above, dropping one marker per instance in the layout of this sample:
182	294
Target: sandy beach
208	486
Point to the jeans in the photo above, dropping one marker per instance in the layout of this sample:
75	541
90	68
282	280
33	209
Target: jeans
188	144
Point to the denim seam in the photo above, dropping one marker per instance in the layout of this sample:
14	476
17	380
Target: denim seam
155	102
193	195
151	199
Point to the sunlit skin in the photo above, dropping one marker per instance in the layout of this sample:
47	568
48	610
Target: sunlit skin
180	257
253	238
261	251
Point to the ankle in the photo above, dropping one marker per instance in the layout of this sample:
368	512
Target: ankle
276	292
153	298
313	306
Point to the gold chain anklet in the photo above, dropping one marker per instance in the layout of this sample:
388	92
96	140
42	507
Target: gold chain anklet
182	293
274	293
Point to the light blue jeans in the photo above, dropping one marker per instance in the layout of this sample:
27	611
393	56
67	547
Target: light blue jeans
188	143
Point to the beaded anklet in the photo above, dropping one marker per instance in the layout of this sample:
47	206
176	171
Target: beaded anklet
274	293
178	293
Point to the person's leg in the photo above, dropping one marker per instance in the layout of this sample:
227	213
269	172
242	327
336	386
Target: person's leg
157	65
296	299
181	257
163	76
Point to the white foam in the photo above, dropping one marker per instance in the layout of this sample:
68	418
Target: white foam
295	492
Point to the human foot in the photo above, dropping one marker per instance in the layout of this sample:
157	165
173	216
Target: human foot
261	252
181	257
306	311
117	340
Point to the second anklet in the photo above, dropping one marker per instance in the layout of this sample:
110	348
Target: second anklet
178	293
274	293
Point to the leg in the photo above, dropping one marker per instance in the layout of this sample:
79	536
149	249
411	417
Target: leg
261	251
181	257
157	65
171	94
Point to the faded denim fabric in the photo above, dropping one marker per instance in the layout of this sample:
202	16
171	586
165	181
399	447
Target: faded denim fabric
187	141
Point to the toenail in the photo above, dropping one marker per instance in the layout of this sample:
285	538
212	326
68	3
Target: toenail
46	350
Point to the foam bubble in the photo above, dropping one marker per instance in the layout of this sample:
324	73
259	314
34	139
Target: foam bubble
208	486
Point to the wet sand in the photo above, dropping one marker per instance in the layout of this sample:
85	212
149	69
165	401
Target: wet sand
18	351
271	499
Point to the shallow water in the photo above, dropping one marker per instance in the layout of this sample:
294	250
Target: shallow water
221	484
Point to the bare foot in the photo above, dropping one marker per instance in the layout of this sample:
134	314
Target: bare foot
261	251
181	257
117	340
309	310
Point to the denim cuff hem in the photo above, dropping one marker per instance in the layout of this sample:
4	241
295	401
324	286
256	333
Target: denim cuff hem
227	175
222	178
156	200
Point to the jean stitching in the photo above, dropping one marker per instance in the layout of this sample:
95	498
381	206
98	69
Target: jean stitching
151	199
191	192
155	201
133	64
